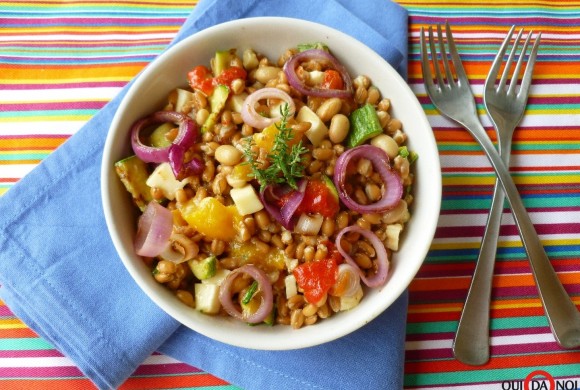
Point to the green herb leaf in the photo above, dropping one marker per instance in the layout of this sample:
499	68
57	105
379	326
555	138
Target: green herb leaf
286	163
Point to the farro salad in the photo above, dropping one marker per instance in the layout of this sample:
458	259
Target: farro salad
271	191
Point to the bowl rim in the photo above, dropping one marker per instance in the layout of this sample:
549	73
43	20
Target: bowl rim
330	333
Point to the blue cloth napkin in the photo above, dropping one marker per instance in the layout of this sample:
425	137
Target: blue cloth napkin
60	274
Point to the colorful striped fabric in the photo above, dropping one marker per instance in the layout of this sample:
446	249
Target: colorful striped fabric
61	61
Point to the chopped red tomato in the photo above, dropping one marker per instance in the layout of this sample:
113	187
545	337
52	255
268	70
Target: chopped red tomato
333	253
230	74
318	198
332	80
201	78
316	278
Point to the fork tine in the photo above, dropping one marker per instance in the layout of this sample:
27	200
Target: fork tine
496	65
509	61
527	78
514	81
427	76
436	67
444	56
457	64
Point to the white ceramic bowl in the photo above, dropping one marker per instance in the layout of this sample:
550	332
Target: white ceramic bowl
148	93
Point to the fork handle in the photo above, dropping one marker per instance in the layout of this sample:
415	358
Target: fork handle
471	344
563	317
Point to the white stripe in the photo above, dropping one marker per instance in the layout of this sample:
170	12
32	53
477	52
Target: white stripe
58	95
16	170
66	362
82	37
160	359
546	90
46	127
496	340
36	362
554	120
480	219
517	160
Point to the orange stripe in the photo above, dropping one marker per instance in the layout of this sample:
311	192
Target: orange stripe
479	70
31	143
18	333
495	363
463	282
61	72
47	384
197	380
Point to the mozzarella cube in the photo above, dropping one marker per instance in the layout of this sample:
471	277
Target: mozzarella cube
207	298
318	129
164	179
246	200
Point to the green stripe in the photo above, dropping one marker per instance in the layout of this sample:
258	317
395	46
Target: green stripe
478	204
24	344
23	156
496	324
487	375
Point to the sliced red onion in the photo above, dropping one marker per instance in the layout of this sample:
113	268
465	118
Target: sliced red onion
391	180
153	230
382	258
320	56
264	287
186	136
253	118
285	214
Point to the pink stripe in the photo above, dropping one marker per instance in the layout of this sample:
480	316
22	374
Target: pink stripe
164	369
477	231
31	353
74	105
40	372
104	84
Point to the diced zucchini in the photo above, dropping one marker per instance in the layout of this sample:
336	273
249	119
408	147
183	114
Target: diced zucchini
158	138
313	45
164	179
221	61
217	102
318	129
364	124
218	278
133	173
246	199
204	268
183	101
331	187
207	298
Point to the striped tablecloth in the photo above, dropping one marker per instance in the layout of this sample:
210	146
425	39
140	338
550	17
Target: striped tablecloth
62	60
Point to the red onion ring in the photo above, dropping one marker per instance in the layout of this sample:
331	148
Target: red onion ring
380	277
285	214
380	160
251	116
225	295
186	136
322	56
153	230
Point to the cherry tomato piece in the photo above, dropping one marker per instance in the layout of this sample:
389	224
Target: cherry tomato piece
200	78
230	74
332	80
318	198
316	278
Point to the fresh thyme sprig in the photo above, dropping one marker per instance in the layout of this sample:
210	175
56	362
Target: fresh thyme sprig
286	163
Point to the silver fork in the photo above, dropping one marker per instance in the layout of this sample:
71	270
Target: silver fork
453	98
506	107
